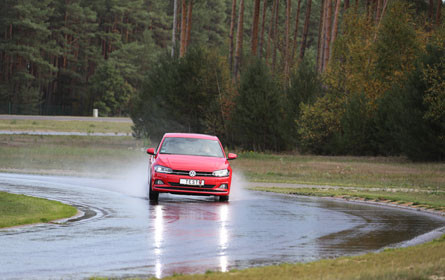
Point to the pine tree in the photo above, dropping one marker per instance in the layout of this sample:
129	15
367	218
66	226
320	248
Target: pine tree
256	19
232	29
297	20
306	29
239	40
175	16
24	45
335	24
263	23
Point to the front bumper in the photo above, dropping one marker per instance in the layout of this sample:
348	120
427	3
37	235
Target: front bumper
212	185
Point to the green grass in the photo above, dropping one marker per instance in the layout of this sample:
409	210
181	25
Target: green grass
21	210
68	155
68	126
420	262
426	261
432	200
367	172
65	154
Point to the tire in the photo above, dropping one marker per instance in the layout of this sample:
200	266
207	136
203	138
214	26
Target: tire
152	195
224	198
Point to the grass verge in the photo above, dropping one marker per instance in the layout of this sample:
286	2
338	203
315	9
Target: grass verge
426	200
18	210
364	172
72	126
68	155
90	155
425	261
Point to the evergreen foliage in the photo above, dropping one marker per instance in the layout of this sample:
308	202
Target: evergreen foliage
305	87
191	94
109	90
420	136
258	117
379	91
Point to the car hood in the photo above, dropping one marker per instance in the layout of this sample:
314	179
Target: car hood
197	163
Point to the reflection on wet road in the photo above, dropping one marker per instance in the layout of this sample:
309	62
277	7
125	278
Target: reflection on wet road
123	235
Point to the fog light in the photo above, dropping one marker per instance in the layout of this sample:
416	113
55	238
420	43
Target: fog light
159	182
224	186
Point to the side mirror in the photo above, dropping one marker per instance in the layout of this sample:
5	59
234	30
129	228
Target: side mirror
232	156
151	151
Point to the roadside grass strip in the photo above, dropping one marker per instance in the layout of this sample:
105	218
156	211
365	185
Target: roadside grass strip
425	261
68	155
66	126
18	210
343	171
421	200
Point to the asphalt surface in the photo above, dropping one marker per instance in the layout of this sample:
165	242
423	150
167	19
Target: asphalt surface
122	234
62	133
65	118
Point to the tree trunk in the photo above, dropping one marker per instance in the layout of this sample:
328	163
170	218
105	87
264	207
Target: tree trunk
321	36
368	9
239	39
183	29
175	14
271	30
306	28
178	24
287	40
260	48
431	10
378	11
297	20
275	39
335	27
255	23
327	33
346	4
232	29
438	11
189	24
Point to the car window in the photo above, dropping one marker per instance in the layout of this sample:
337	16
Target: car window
191	146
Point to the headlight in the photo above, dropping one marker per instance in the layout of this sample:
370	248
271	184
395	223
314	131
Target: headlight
162	169
221	173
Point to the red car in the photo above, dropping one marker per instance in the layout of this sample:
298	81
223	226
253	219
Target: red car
194	164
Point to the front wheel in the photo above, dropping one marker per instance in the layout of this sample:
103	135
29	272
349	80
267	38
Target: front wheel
152	195
224	198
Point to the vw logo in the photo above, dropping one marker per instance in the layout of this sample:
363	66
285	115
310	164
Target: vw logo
192	173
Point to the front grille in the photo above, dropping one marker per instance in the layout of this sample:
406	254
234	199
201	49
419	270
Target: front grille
198	173
187	186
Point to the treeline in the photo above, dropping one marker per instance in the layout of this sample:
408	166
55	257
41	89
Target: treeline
70	56
361	77
375	87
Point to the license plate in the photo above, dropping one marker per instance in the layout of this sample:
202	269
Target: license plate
191	182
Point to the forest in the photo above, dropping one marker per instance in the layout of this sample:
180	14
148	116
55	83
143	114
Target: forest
336	77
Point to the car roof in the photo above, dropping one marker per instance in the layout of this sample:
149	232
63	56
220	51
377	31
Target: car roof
191	135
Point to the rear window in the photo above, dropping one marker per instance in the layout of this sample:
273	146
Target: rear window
191	146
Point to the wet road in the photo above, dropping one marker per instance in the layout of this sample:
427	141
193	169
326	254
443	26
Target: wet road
61	133
123	235
65	118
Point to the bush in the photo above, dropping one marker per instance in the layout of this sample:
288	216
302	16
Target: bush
358	127
305	87
111	93
319	124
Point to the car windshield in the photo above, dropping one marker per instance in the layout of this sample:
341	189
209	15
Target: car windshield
191	146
